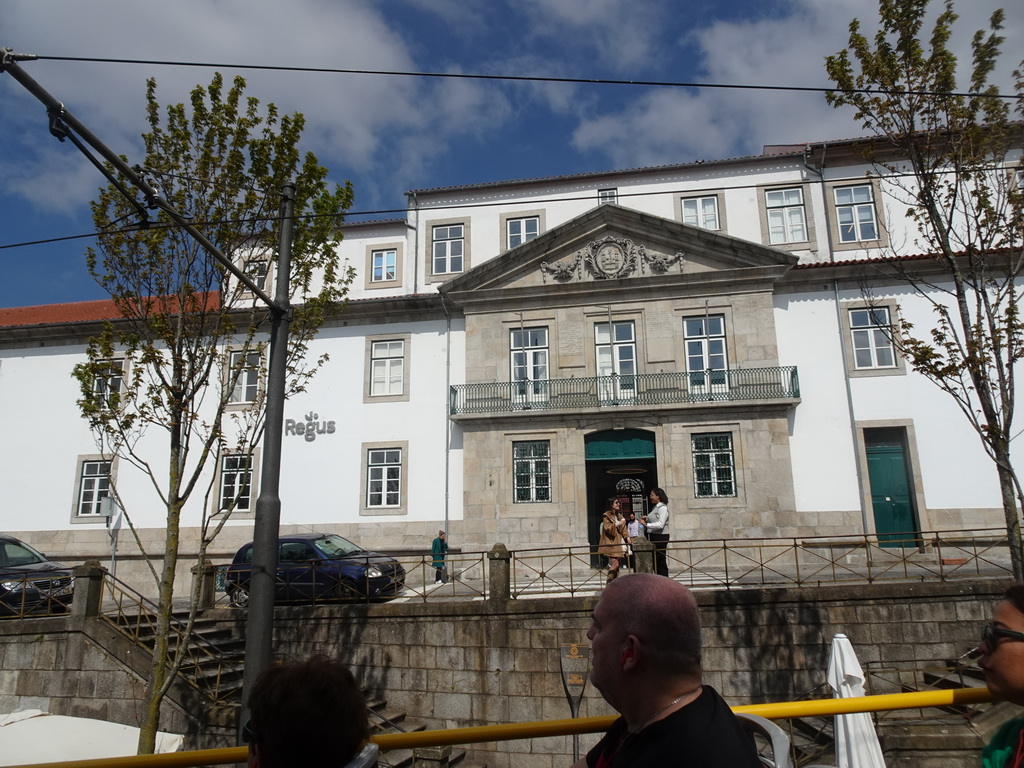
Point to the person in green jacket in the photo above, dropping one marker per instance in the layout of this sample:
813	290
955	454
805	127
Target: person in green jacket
439	550
1002	661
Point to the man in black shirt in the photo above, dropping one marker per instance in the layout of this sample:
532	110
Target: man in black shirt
645	661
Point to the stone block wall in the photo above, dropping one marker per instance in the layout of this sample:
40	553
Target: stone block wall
457	664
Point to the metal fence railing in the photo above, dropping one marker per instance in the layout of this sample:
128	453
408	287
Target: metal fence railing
644	389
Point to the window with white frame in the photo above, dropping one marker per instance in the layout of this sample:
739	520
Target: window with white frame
616	360
704	337
700	211
384	266
855	213
257	269
93	486
387	367
528	351
787	219
236	482
244	370
872	338
531	470
383	477
714	465
610	195
522	230
106	381
449	244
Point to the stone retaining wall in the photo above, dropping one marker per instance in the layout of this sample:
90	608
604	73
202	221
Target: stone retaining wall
487	662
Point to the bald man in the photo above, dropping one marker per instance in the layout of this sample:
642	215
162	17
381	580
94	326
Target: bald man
645	661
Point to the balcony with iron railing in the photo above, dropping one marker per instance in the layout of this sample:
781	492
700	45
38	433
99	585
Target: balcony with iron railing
645	390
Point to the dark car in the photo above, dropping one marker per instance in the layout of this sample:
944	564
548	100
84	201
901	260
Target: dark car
319	566
31	585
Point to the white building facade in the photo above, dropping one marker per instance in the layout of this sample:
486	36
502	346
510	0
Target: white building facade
515	353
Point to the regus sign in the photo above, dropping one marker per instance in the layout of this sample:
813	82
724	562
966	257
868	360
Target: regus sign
308	428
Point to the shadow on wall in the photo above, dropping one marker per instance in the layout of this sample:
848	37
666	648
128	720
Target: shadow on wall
762	649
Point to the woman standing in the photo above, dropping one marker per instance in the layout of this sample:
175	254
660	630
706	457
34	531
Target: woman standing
657	529
613	542
1002	661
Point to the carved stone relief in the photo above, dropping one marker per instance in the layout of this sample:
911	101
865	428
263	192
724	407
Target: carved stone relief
610	258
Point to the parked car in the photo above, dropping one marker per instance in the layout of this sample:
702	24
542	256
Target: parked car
30	584
319	566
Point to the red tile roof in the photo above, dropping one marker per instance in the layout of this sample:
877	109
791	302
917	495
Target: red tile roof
72	312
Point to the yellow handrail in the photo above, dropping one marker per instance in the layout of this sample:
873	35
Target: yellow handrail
542	728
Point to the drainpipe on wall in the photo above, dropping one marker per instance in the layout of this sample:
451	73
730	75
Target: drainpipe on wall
414	211
842	347
447	415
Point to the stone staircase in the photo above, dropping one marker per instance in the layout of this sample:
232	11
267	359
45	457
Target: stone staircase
214	664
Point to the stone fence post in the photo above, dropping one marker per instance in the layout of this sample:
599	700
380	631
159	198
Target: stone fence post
643	555
207	575
88	588
500	574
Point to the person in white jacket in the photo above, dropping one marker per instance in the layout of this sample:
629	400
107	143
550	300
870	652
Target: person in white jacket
657	529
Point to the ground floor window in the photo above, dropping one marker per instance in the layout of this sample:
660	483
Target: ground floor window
93	487
384	477
714	467
531	467
236	482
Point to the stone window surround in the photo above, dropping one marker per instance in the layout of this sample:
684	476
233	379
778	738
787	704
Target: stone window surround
900	369
539	214
762	211
467	263
364	464
368	368
685	473
77	519
833	221
509	437
718	194
398	247
592	317
681	313
255	465
913	465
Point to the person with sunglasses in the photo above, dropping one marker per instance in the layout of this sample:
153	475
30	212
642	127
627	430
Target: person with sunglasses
1002	661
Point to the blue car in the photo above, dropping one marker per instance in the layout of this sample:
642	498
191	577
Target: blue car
314	567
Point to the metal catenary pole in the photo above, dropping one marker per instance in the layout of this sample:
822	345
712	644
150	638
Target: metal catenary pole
259	628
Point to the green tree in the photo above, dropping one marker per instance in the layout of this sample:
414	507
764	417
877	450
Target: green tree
951	159
162	382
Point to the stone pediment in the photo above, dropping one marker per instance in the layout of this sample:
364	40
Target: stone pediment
611	244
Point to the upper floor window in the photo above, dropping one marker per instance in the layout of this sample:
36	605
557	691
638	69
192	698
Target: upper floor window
387	367
610	195
787	219
236	482
257	269
872	338
519	231
855	213
107	380
714	465
93	487
700	211
616	358
529	364
244	368
449	243
531	470
383	265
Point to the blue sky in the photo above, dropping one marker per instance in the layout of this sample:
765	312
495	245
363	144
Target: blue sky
390	134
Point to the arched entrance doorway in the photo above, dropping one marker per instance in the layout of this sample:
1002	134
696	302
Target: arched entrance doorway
622	464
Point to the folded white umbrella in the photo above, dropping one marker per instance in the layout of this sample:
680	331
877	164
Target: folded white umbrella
856	739
34	736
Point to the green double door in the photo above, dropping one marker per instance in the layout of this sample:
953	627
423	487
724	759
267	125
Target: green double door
892	496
